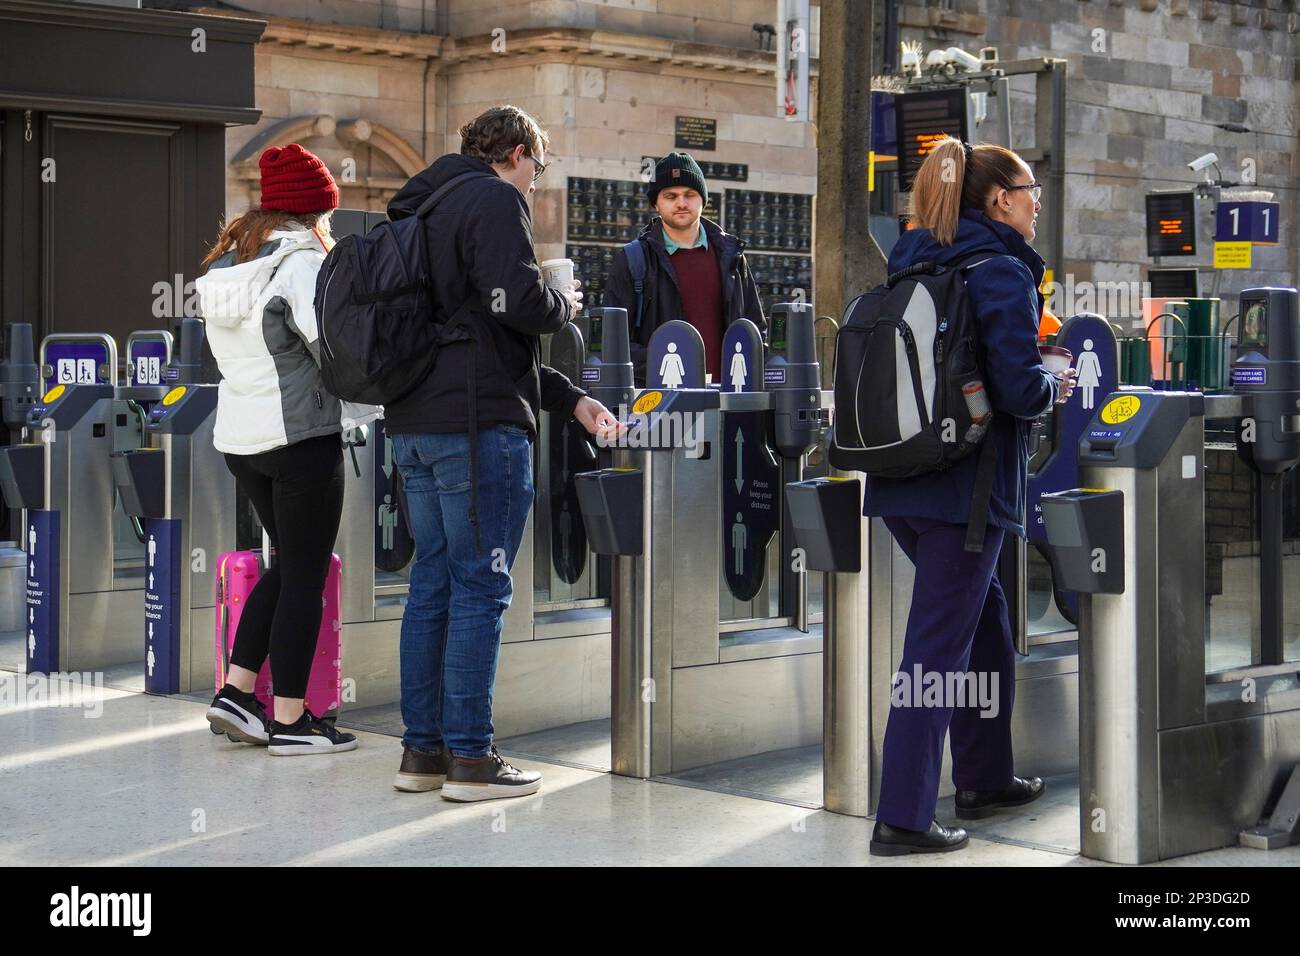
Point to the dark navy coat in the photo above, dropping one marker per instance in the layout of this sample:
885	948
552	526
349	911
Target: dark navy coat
1004	296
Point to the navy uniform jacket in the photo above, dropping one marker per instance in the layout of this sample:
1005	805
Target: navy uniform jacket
1007	306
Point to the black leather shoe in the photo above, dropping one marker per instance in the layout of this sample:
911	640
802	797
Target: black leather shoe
420	771
977	804
895	841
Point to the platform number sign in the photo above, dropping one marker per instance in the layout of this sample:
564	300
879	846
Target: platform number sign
1255	222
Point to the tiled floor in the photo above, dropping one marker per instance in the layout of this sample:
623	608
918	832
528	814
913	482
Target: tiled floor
144	782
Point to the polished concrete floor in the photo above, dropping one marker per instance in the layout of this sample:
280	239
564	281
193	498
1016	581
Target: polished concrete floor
133	779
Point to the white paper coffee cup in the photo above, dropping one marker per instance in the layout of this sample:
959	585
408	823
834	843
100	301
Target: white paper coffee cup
557	273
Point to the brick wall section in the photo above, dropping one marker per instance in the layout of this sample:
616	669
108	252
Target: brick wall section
1146	83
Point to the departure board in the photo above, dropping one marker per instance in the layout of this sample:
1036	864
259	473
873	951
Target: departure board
922	119
1171	223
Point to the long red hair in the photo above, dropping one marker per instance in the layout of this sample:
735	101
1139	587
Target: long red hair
247	233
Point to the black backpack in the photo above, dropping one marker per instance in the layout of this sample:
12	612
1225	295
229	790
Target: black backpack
909	382
380	329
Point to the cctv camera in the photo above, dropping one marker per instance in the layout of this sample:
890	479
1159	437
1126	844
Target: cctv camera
1203	162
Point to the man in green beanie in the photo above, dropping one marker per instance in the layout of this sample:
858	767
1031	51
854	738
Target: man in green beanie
693	270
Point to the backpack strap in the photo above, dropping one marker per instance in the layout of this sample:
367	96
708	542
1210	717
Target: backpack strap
636	264
981	497
426	207
986	466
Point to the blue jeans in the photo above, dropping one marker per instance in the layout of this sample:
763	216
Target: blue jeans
451	628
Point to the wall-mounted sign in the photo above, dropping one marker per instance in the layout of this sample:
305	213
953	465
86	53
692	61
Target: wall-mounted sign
1232	255
1171	223
1256	222
695	132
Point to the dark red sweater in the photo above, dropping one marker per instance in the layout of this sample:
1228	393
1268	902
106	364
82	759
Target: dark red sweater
699	279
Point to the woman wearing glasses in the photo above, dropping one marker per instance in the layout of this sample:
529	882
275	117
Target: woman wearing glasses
977	207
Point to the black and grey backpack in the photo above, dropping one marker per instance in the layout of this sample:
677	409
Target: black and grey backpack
909	381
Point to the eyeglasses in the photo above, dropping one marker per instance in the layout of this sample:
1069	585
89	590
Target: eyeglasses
538	167
1035	190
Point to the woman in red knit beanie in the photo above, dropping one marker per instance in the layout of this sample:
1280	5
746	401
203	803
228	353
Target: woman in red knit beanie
280	431
296	186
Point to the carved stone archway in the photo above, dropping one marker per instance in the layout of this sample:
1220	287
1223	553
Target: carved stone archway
351	132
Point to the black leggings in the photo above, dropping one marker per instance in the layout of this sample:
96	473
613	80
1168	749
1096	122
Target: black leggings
297	492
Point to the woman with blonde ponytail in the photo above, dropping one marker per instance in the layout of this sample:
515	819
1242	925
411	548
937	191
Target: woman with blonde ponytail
974	209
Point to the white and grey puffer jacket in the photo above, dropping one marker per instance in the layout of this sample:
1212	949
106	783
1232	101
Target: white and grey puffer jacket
261	326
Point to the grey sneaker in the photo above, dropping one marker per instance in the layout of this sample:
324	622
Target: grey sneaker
487	778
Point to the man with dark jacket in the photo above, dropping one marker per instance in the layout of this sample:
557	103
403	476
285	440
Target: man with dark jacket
462	441
694	270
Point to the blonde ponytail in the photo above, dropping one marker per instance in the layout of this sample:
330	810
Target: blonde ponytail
937	190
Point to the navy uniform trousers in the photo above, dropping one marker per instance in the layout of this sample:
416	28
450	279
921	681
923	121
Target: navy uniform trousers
958	623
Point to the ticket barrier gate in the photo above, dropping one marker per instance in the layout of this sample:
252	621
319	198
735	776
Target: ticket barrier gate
82	593
1043	614
694	498
1176	758
179	487
20	387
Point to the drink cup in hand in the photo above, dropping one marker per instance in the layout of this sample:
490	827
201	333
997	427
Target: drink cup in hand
573	295
557	273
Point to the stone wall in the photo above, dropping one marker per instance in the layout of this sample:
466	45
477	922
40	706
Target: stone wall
604	113
1147	82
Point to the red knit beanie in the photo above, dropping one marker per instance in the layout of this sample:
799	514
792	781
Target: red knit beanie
295	180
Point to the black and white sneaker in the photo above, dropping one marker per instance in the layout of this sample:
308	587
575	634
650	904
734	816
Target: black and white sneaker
309	735
487	778
239	716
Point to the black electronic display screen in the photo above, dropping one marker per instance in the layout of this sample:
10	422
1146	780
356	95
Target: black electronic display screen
595	330
922	119
1174	283
1171	223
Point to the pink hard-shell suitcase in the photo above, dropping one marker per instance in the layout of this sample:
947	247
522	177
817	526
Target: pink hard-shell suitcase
237	573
